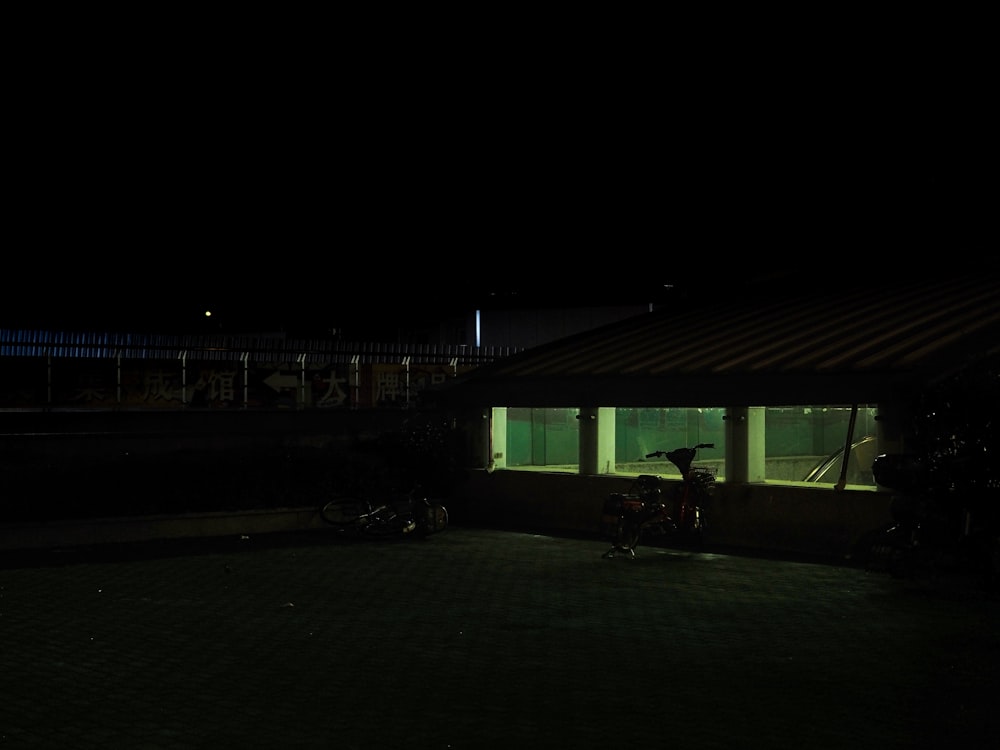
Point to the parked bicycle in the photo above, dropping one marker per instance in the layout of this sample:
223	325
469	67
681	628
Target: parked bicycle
410	514
645	509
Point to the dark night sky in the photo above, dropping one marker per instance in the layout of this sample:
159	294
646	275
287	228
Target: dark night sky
147	192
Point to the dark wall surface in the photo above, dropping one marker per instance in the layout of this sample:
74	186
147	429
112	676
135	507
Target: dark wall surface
78	465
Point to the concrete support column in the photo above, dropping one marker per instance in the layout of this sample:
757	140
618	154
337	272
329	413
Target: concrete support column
745	448
597	440
479	451
498	441
890	420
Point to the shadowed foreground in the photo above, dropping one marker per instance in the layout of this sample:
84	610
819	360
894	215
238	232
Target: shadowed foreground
483	639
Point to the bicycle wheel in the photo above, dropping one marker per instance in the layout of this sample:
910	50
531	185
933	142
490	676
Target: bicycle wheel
696	538
388	523
436	519
342	511
698	527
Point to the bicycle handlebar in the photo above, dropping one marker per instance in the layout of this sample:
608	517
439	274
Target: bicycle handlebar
657	454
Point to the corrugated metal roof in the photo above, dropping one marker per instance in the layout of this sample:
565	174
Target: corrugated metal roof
825	342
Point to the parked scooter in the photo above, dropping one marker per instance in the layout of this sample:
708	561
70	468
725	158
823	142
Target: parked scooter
945	506
645	508
939	526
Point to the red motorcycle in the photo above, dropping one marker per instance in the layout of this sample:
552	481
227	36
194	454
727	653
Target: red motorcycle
647	509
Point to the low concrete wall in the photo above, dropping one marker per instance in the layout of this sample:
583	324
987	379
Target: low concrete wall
806	519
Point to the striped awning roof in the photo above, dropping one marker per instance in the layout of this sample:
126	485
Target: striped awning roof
823	341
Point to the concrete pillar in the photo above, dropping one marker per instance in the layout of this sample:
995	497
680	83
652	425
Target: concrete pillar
597	440
891	421
745	447
479	449
498	444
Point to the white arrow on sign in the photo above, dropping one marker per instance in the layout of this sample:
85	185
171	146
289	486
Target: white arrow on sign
277	381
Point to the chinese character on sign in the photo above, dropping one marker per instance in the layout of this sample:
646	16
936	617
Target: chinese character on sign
389	386
216	385
332	393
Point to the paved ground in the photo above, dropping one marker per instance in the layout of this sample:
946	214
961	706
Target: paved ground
483	639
